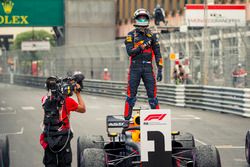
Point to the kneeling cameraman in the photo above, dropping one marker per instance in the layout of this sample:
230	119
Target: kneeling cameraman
57	106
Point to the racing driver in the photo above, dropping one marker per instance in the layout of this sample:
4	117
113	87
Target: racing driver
142	47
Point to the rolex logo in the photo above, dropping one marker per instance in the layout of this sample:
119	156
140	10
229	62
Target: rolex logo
7	6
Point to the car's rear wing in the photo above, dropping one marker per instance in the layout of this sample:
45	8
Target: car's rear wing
115	121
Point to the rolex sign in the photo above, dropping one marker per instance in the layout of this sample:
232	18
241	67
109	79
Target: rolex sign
15	13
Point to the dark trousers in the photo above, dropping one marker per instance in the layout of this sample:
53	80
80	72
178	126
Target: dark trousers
148	77
61	159
138	72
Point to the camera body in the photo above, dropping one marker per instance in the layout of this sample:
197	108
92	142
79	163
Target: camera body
61	87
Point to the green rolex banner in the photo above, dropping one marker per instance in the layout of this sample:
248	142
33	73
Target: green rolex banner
22	13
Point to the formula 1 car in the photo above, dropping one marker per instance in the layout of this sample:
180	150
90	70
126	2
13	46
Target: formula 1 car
247	147
4	151
124	148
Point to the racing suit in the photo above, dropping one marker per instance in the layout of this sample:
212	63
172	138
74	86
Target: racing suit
141	67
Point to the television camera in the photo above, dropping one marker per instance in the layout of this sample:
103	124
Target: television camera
61	87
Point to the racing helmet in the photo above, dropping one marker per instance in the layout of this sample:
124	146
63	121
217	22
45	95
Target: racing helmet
141	17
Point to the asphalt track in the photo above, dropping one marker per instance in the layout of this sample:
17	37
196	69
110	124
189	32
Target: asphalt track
21	115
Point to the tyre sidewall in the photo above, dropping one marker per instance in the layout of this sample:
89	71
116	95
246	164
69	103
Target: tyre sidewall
86	141
206	156
1	159
93	157
4	146
247	147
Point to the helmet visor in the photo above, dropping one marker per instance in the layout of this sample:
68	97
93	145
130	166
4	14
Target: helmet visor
142	21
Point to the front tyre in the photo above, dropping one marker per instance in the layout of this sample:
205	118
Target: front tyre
1	159
88	141
206	156
93	157
4	147
247	147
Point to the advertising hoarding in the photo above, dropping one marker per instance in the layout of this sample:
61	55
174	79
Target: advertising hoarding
19	13
215	15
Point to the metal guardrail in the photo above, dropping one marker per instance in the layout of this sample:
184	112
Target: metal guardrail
5	78
220	99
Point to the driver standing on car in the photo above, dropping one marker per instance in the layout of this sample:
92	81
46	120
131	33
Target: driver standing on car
142	47
56	135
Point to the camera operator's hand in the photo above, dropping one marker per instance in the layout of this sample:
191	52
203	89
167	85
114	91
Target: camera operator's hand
81	105
77	89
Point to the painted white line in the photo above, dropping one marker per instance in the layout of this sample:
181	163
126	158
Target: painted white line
100	119
15	133
9	113
192	116
176	118
230	147
93	107
3	109
240	160
93	97
28	108
9	108
201	142
12	151
115	106
186	117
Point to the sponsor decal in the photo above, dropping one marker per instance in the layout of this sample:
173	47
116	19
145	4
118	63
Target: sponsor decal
115	124
155	117
156	145
216	15
8	6
129	39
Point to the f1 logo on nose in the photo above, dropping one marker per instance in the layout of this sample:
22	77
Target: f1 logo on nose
155	117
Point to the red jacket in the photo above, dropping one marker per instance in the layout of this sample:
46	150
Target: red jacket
71	105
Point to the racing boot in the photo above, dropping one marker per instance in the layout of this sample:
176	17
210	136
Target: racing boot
153	102
129	104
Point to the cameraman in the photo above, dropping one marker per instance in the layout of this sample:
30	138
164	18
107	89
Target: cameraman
56	135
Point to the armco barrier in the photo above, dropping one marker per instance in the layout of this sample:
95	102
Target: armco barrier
220	99
4	78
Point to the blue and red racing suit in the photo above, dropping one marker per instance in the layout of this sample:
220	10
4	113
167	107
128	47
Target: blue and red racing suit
141	67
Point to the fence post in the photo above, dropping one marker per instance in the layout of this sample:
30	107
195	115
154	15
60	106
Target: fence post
11	78
180	96
246	105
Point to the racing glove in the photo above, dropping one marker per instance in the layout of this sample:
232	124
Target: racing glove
147	43
159	75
